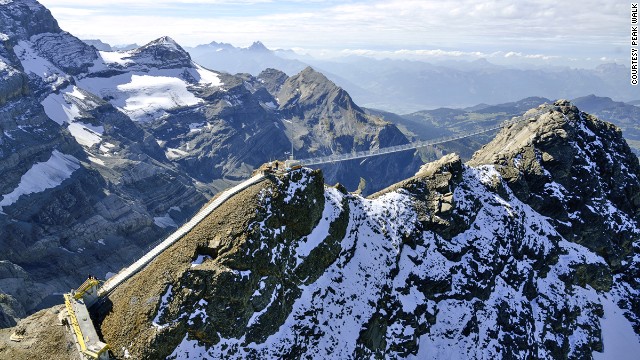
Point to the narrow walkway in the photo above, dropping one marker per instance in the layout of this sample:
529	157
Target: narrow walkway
128	272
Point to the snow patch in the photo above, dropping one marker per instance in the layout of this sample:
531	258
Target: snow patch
96	160
59	109
143	95
32	62
86	134
619	340
164	305
43	176
173	154
116	57
199	260
270	105
200	312
188	350
164	221
147	97
256	315
332	209
207	77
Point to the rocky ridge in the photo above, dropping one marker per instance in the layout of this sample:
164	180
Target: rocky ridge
458	259
325	120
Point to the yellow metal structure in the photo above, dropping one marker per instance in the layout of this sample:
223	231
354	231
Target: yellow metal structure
86	286
70	301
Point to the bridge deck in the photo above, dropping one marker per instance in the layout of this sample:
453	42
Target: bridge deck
410	146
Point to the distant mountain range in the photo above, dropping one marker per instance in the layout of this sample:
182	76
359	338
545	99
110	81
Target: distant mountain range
404	86
252	60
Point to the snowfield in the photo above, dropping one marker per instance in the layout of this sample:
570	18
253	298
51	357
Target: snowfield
147	97
42	176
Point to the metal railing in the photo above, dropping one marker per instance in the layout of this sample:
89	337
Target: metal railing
414	145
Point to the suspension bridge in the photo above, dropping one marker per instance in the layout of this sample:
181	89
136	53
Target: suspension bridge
413	145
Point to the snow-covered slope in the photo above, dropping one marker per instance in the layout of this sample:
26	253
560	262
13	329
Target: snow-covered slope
457	262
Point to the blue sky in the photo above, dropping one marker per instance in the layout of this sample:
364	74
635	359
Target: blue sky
573	33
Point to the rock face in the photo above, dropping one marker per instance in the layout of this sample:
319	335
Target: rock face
324	119
503	255
23	19
551	164
83	186
623	115
103	153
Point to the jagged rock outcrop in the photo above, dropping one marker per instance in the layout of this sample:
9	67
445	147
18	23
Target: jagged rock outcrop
272	79
23	19
621	114
65	51
162	53
551	164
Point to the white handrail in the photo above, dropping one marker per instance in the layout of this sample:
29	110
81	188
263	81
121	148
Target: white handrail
410	146
134	268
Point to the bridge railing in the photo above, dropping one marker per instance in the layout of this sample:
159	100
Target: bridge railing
414	145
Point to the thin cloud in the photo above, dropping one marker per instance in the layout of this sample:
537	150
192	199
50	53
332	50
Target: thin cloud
527	28
438	54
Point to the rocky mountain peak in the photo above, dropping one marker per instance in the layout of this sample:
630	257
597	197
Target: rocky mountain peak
166	41
571	166
310	87
311	75
258	46
162	53
272	79
25	18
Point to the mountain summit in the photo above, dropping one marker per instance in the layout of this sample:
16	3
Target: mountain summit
162	53
258	47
